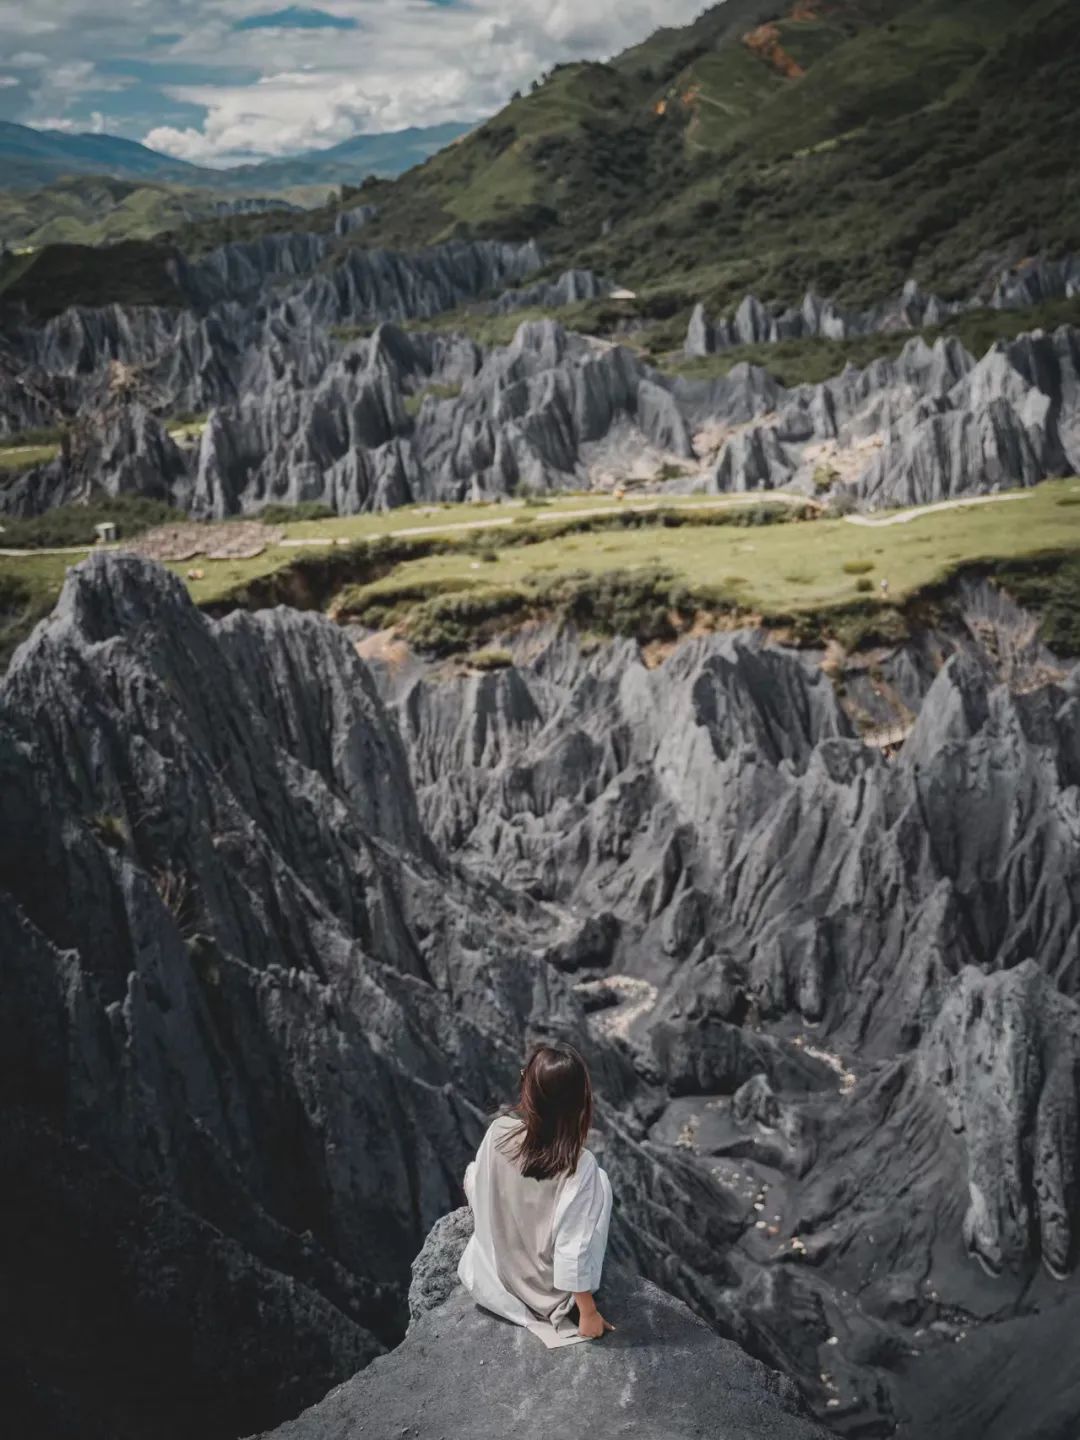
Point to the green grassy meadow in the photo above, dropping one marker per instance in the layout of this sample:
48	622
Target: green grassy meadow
453	584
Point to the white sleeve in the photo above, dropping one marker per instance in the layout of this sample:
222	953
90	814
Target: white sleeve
470	1181
581	1228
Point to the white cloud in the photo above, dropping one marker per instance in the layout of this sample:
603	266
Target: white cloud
17	20
94	124
7	82
28	60
407	62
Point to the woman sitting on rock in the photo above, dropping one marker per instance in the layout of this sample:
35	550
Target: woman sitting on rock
541	1206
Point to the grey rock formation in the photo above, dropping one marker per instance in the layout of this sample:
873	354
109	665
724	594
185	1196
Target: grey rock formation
930	425
369	285
238	900
815	318
1033	283
245	268
1013	1034
258	307
753	868
462	1374
542	414
122	449
404	416
259	962
572	286
1036	282
434	1271
302	413
272	945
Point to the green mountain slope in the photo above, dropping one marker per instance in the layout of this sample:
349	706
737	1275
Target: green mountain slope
96	209
773	145
780	146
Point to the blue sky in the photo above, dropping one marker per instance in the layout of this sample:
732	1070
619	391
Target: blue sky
222	81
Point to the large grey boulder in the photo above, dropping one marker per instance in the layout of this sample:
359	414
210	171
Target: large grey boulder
463	1374
434	1271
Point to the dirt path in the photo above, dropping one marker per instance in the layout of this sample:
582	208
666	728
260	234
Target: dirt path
756	497
904	516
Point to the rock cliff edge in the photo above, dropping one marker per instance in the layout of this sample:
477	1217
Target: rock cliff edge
462	1374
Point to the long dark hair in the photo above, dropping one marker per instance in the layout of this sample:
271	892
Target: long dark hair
555	1109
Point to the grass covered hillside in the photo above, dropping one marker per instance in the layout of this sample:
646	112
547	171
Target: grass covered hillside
842	146
98	210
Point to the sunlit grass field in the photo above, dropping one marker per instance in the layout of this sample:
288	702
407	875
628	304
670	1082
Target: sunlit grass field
797	566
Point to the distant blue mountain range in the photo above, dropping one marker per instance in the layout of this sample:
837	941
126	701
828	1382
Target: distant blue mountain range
29	158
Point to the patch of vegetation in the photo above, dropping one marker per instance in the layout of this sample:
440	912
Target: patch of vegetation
43	284
111	830
450	624
101	210
1050	586
50	435
654	573
187	422
791	362
16	459
22	604
70	525
414	403
652	604
491	659
303	511
348	333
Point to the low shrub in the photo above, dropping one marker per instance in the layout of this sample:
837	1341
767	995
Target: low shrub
361	602
490	660
20	439
1050	586
293	514
74	524
449	624
22	605
842	502
858	567
414	403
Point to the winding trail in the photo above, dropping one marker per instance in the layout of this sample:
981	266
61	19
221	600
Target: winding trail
753	497
903	517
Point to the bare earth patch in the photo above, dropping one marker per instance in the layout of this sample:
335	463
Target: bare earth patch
237	540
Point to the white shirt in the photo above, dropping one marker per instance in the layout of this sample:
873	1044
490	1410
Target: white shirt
536	1243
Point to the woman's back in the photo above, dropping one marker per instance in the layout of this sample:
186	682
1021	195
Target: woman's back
541	1208
520	1213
